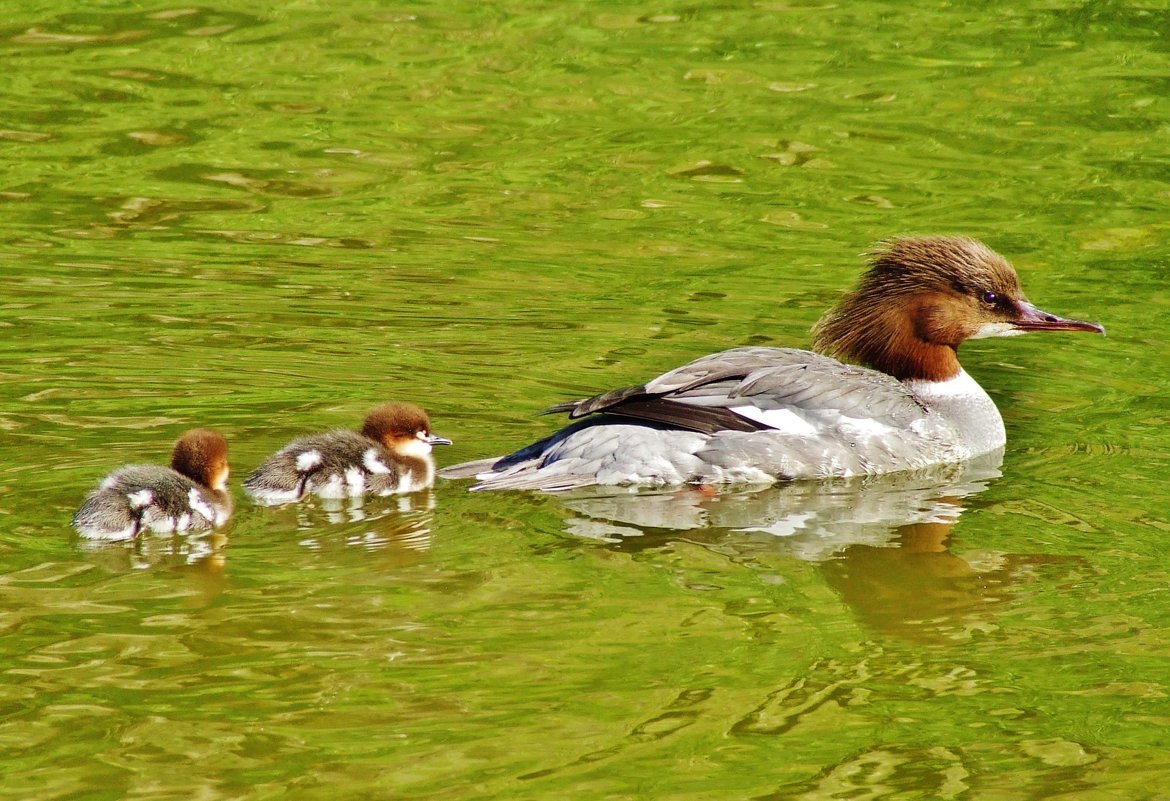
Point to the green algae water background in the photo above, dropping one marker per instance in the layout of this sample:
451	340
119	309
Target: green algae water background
267	218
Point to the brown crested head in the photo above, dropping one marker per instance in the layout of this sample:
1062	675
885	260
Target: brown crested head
924	296
201	454
395	423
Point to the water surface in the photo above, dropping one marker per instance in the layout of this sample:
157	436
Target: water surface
268	220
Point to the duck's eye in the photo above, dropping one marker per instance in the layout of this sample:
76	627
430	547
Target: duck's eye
989	298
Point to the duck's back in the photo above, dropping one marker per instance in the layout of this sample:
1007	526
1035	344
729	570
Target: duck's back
747	415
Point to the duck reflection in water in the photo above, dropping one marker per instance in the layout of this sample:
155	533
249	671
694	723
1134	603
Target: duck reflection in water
202	558
813	520
401	522
880	542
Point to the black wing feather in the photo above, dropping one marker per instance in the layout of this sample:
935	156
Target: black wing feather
696	396
703	419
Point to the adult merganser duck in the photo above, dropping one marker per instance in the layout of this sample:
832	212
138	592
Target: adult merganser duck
190	495
758	414
390	455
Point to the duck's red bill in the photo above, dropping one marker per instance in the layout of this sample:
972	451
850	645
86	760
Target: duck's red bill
1033	319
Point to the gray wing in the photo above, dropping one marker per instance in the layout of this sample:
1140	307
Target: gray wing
700	396
737	415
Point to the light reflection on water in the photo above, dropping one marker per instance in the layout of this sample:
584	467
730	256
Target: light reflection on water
267	222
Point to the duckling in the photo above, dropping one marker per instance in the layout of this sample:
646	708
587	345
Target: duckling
190	495
390	455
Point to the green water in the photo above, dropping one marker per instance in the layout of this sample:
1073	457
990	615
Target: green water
268	220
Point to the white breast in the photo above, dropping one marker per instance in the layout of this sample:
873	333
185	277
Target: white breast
967	407
198	505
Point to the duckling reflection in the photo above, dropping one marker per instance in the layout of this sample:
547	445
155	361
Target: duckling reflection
203	558
406	536
401	521
336	511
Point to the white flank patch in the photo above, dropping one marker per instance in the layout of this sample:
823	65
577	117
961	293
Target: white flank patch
272	497
356	480
184	522
99	533
866	427
746	474
784	420
372	463
308	460
163	525
334	487
198	505
140	499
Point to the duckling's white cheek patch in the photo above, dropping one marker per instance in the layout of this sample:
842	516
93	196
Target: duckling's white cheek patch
372	463
308	460
415	448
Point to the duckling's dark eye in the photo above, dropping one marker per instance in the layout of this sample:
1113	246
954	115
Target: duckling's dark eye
989	297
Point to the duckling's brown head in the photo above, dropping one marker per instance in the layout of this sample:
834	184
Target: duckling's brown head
401	427
201	455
